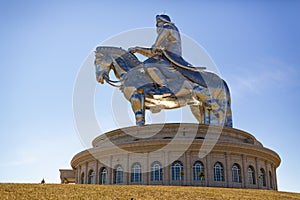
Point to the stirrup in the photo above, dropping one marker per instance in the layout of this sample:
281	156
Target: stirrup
160	96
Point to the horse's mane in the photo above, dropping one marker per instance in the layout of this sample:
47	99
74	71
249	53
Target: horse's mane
128	57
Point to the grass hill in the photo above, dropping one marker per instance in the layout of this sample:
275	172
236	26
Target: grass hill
119	192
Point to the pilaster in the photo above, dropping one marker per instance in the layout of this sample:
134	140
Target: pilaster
86	172
110	172
227	171
244	172
97	181
267	175
257	173
209	167
189	168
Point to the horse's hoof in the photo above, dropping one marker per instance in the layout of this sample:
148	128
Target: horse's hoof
140	123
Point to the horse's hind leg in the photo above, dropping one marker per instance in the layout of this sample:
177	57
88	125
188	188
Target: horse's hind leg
137	100
217	112
214	109
198	112
202	113
228	120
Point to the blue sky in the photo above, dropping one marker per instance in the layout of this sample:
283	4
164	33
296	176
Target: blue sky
255	45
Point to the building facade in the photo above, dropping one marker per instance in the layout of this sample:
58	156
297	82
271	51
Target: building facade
177	154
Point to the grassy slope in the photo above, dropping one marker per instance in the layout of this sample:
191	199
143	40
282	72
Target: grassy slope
56	191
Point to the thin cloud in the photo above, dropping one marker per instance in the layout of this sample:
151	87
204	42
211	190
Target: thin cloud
260	77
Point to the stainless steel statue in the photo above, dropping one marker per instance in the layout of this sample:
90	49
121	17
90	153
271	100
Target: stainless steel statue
165	80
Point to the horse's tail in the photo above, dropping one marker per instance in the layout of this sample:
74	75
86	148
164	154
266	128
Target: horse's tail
228	112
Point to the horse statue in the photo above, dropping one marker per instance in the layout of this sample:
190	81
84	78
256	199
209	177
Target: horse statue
206	93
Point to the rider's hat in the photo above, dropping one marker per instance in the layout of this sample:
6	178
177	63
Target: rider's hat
164	18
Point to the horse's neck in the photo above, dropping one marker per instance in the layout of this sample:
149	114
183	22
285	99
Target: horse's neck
123	63
118	70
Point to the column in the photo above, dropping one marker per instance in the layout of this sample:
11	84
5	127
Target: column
275	179
167	176
208	167
78	174
128	170
267	175
244	171
257	173
110	172
227	170
188	168
272	180
147	173
164	168
96	173
86	173
185	169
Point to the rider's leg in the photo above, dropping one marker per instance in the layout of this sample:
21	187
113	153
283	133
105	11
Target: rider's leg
157	76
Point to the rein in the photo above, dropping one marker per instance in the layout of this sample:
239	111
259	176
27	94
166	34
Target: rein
111	82
117	51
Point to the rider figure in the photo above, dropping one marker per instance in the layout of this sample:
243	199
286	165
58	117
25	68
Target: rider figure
168	40
168	37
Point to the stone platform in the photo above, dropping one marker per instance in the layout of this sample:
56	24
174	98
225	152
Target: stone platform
177	154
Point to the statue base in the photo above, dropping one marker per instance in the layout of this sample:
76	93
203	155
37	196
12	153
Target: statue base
177	154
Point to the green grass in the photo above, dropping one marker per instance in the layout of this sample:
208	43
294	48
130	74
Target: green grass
84	192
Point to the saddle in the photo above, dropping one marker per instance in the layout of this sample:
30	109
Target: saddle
186	69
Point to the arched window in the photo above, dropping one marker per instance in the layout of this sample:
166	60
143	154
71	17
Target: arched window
118	174
177	171
136	173
251	175
198	171
236	173
218	172
262	177
103	175
270	179
82	178
156	171
91	177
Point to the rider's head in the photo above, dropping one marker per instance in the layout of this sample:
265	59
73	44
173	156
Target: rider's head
162	19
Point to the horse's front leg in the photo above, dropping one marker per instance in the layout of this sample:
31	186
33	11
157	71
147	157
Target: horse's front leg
137	100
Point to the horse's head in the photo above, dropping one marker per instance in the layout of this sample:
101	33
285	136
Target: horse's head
103	64
118	59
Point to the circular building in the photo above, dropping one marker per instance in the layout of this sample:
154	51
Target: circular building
177	154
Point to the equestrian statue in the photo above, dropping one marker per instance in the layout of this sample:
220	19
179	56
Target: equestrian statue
165	80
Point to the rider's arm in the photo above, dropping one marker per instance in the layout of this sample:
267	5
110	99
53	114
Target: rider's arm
144	51
162	35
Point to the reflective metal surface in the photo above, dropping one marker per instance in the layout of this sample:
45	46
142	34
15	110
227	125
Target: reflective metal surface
165	80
